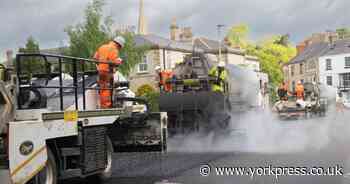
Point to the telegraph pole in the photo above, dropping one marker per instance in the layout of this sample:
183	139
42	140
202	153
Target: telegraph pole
219	27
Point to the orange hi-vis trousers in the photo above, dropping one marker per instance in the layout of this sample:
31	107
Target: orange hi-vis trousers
105	79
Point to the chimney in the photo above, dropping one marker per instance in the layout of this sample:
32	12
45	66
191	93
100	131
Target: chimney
9	58
142	26
174	30
301	47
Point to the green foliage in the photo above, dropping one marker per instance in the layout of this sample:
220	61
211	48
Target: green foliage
31	64
237	35
144	89
131	54
343	33
95	30
86	37
148	92
273	51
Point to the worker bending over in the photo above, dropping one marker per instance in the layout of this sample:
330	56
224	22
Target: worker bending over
108	56
219	74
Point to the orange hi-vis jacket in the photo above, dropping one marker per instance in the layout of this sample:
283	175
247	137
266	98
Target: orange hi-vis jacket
107	53
299	89
165	75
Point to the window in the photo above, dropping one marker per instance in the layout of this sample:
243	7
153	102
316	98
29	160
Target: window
293	86
329	80
292	70
301	68
347	62
143	66
328	64
345	80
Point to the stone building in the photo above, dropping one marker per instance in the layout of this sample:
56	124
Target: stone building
163	52
304	67
322	60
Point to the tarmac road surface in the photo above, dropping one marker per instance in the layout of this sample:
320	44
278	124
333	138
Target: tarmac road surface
184	168
314	146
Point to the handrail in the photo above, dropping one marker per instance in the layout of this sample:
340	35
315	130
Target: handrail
73	62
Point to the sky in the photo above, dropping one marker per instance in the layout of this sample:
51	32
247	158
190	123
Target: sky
46	20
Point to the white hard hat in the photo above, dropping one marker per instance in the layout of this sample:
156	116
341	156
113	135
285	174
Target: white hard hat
221	64
157	68
120	40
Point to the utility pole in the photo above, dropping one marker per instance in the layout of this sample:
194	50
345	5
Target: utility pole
219	27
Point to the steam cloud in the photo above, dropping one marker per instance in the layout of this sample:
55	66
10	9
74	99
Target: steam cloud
262	132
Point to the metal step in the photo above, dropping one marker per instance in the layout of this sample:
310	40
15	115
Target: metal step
70	173
74	151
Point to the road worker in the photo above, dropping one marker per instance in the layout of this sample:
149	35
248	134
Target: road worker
219	74
158	77
164	76
299	90
108	56
283	91
339	103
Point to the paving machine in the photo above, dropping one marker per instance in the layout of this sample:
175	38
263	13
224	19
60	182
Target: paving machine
51	127
191	105
312	105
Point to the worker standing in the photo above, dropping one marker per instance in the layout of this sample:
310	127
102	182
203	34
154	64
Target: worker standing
108	56
339	103
283	92
159	77
299	90
219	74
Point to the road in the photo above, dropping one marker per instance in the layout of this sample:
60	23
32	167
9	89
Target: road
184	168
289	144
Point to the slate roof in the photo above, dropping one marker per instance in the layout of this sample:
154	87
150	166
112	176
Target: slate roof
213	46
339	47
316	50
312	51
155	41
202	44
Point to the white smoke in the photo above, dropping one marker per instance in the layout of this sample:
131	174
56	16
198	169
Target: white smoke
261	131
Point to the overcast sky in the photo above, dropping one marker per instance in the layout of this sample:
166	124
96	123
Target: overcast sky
45	20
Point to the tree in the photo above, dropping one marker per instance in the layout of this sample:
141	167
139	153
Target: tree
131	54
150	95
86	37
283	40
31	64
272	51
237	36
343	33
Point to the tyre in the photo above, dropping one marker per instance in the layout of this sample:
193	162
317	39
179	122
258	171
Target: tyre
48	175
107	173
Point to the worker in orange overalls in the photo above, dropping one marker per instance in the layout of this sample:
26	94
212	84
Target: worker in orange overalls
108	56
299	90
164	76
